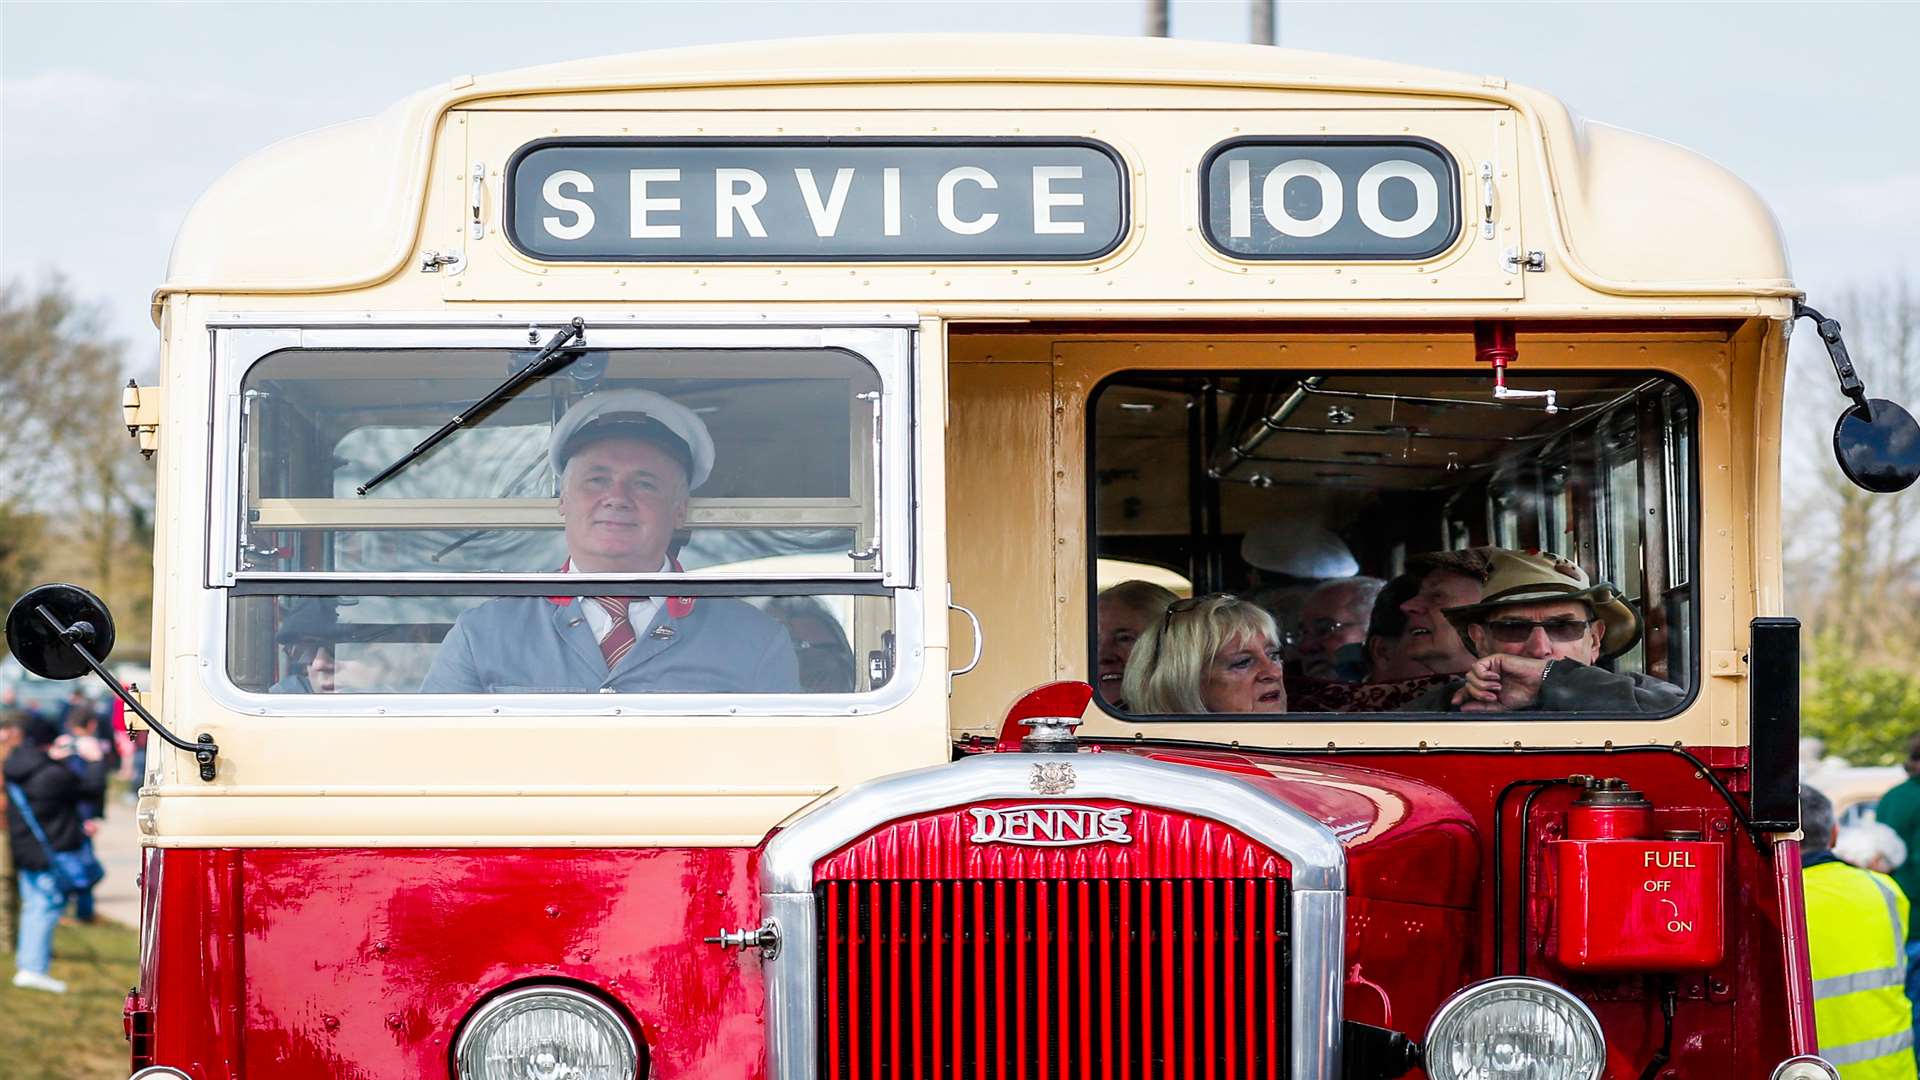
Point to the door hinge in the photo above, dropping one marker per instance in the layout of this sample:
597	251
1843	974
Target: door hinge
140	408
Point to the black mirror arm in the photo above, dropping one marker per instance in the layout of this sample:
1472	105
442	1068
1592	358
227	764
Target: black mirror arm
1829	331
204	751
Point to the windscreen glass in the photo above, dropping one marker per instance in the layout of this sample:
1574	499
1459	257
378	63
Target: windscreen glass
764	461
1337	542
386	644
706	466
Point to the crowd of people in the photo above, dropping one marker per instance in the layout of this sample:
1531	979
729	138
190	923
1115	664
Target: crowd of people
56	764
1481	629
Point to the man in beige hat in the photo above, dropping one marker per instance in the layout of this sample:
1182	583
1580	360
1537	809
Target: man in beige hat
1536	633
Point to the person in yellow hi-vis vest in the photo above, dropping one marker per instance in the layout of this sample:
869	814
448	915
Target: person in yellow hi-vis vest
1856	938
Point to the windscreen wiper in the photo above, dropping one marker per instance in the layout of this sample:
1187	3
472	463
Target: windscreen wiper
554	358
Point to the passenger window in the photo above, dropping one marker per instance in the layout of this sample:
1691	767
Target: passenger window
1393	542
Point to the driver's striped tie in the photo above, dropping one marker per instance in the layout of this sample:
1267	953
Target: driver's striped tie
620	637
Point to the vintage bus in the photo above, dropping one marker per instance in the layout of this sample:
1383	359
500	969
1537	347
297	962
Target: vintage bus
612	515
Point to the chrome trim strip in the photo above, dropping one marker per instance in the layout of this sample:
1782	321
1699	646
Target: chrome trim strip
1318	888
516	320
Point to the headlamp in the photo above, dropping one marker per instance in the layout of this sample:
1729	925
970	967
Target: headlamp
1514	1029
540	1031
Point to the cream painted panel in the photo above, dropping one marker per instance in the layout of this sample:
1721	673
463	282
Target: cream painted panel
1165	259
1000	525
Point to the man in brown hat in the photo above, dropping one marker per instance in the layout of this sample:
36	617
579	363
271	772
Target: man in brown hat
1536	633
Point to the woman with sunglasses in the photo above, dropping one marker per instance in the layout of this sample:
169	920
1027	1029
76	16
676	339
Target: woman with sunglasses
1215	653
1537	636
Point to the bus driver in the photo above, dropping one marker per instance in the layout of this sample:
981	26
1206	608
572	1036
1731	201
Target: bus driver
626	460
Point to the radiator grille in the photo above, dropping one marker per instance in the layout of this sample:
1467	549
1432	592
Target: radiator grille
1054	979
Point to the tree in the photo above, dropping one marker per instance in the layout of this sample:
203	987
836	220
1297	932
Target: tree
1853	557
76	499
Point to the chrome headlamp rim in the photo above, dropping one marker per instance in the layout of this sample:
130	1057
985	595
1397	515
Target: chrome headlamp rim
159	1072
1815	1060
1467	995
502	1001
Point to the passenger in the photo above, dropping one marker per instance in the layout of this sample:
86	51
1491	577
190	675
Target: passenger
1213	653
1387	633
1535	638
1123	613
1335	618
309	634
627	461
1448	579
819	645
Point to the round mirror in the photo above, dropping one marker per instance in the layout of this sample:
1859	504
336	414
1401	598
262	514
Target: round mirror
1878	451
38	644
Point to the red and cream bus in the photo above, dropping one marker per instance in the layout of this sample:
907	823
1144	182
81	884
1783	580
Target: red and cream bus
925	343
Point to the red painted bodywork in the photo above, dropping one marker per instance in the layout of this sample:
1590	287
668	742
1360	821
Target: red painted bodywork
360	964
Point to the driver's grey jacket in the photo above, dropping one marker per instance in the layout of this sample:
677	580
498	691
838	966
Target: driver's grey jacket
538	645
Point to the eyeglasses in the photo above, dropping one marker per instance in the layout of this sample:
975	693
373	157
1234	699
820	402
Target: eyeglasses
1517	631
1323	627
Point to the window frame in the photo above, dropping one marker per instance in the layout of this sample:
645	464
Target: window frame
886	342
1673	381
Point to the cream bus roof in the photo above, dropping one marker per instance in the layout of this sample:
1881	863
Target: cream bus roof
340	208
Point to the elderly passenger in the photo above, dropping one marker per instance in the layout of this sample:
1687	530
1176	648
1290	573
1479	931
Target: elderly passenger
1448	579
1333	630
1123	614
1536	637
627	461
1215	653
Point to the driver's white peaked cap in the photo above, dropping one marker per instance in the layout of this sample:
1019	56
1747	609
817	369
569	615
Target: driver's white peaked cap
669	413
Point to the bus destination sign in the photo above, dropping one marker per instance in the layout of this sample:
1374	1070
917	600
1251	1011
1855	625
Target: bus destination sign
640	200
1347	199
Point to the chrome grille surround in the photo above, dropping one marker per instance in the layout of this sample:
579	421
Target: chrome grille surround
1317	895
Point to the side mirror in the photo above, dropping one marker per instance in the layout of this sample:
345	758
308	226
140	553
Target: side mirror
63	632
1878	444
45	646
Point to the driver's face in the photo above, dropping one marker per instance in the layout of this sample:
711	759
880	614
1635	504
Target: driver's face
622	500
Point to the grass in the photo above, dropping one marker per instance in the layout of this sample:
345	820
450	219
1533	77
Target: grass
75	1035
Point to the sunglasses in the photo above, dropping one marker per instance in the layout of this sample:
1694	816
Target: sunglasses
1517	631
1181	607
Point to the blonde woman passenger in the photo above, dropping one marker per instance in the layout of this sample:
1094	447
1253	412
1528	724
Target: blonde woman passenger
1215	653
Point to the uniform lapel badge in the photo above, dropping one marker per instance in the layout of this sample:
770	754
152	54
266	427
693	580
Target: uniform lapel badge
661	633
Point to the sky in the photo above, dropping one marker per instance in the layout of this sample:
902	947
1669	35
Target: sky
115	117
